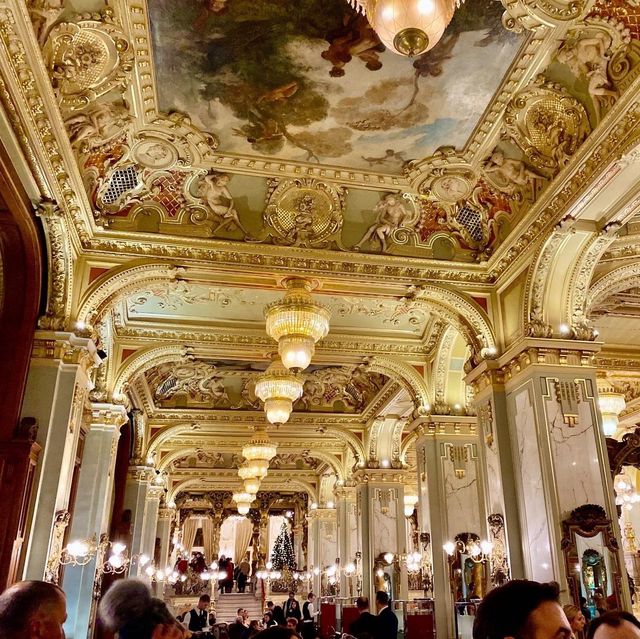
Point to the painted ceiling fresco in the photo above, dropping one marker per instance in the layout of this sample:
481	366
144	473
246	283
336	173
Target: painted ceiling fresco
308	80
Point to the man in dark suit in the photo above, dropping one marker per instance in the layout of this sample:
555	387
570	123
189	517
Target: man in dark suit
387	626
364	627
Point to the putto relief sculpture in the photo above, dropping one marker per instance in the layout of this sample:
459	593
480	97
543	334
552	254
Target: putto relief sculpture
214	193
396	218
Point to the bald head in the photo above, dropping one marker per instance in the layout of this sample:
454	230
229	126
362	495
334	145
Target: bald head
32	609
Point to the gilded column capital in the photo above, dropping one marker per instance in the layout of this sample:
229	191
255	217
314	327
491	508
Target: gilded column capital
348	493
155	491
450	425
112	415
380	476
528	353
66	347
322	514
141	473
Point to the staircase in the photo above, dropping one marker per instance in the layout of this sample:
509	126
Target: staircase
227	605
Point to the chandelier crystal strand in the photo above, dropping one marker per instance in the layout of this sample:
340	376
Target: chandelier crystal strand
278	389
408	27
296	322
250	481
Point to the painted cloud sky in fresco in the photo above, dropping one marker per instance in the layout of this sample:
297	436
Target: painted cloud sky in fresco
309	81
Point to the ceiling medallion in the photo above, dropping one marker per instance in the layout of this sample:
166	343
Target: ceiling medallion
296	322
408	27
278	389
304	212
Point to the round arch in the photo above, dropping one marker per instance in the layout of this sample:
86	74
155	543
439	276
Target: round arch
408	377
615	281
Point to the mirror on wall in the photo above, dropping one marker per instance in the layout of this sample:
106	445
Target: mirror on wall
591	558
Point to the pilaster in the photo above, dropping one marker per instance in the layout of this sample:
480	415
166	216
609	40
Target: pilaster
135	501
380	506
559	459
57	387
348	538
92	511
323	543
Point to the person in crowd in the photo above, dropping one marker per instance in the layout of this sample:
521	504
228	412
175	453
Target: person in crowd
292	623
243	573
522	608
254	628
584	608
286	607
277	632
130	612
243	617
277	612
268	620
32	610
387	622
222	567
228	582
294	610
575	618
212	617
364	627
617	624
236	629
600	601
197	619
309	615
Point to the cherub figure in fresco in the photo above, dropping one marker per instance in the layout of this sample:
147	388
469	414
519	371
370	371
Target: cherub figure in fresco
354	38
389	156
97	124
209	7
392	215
510	173
213	190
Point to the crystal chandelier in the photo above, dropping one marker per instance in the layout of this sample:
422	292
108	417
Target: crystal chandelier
250	481
408	27
258	453
611	404
296	322
278	389
243	502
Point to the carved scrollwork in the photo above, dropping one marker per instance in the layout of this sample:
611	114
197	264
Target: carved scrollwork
537	14
87	58
547	124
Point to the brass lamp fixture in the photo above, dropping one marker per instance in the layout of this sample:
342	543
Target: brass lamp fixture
258	453
278	388
296	322
408	27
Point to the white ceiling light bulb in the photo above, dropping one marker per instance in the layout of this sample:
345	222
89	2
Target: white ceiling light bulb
408	27
278	389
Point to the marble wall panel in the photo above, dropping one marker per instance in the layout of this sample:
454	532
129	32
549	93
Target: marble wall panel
461	493
537	546
385	529
328	543
574	451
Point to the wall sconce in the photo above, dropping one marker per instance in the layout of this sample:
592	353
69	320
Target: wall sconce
479	552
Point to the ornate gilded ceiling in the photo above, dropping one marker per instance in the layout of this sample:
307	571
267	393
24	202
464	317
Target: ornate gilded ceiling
186	157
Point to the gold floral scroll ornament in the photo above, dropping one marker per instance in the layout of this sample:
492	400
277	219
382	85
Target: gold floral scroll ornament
304	212
547	123
87	58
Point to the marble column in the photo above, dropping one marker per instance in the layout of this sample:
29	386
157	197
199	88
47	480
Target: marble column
451	498
150	523
165	519
92	511
348	538
380	508
56	392
135	501
323	543
559	458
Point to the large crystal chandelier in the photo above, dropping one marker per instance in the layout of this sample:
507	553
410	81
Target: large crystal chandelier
258	453
408	27
611	404
296	322
278	389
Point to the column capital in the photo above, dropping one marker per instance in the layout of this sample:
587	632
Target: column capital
113	415
166	513
347	493
141	474
65	347
530	353
449	425
322	514
380	476
155	491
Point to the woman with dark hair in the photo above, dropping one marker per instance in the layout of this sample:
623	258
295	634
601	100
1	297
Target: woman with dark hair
130	612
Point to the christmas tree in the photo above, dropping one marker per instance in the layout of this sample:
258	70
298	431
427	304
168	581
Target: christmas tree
282	554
